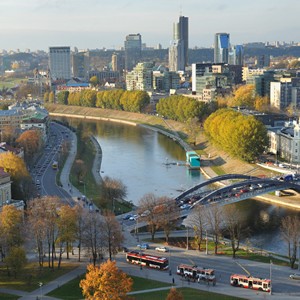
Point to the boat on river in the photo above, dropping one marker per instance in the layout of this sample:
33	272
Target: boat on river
193	160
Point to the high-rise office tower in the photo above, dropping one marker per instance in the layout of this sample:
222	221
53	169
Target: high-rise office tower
236	55
80	65
60	62
178	51
222	44
133	50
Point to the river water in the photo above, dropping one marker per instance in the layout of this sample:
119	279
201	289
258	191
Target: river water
146	162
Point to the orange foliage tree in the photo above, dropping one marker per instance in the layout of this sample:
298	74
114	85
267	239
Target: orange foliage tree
31	141
174	294
105	282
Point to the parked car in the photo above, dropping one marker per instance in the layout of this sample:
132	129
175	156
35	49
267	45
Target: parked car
185	206
162	249
127	217
125	249
143	246
295	276
133	217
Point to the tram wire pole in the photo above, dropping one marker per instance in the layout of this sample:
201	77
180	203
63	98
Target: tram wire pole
206	250
271	276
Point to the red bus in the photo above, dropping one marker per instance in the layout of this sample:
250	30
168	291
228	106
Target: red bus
250	282
196	273
147	260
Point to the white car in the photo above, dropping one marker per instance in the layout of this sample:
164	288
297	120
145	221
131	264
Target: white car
185	206
162	249
295	276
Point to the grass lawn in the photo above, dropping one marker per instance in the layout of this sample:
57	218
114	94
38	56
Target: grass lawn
27	279
188	294
71	291
8	297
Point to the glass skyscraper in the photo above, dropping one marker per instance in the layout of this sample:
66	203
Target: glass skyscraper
133	50
178	51
222	45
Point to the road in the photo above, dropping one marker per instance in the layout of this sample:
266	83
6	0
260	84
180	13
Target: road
282	288
43	174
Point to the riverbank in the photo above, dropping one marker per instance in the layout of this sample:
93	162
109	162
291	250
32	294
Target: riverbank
212	159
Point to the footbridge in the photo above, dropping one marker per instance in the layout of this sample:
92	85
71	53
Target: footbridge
248	187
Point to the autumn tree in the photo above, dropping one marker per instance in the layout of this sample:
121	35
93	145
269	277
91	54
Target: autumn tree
241	136
148	203
51	207
94	81
174	294
290	229
80	169
214	219
66	226
51	97
9	135
31	141
93	236
16	260
36	221
168	214
16	168
112	233
196	220
233	225
244	96
80	214
113	190
105	282
11	229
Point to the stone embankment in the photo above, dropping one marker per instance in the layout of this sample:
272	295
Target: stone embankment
291	201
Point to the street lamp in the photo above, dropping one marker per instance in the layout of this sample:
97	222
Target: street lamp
299	256
41	284
170	271
187	238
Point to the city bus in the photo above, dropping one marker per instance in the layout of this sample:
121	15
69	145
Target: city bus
196	273
250	282
54	165
147	260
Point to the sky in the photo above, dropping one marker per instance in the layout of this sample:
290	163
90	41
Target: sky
92	24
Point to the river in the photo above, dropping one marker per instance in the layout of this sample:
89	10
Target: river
143	160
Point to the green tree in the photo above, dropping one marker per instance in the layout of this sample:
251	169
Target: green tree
94	81
62	97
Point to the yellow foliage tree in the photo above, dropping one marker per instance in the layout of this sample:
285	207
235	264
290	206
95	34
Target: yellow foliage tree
105	282
244	96
14	165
